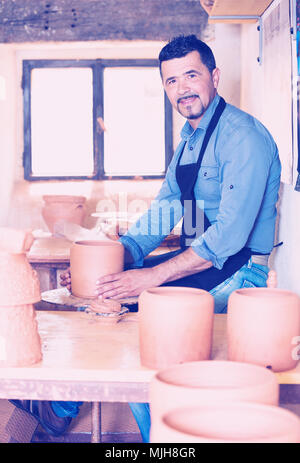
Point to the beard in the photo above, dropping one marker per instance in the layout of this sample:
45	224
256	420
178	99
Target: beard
189	109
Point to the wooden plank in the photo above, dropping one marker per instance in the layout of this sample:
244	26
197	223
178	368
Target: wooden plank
231	21
70	20
238	8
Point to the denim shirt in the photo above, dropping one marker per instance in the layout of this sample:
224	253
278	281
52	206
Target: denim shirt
237	184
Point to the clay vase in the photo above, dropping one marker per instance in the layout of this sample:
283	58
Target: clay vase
262	327
89	260
175	326
20	343
210	381
242	422
19	283
63	207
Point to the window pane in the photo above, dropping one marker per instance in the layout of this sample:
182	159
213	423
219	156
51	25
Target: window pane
62	121
134	140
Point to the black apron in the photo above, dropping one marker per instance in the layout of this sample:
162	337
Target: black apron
186	176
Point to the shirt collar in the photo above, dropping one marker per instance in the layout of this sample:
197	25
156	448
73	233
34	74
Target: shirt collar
187	129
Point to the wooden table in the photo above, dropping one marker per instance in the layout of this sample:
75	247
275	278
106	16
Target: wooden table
87	360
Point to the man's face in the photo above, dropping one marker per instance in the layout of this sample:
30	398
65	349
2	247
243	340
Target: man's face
189	85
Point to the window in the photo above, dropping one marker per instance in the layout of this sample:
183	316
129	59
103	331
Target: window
94	119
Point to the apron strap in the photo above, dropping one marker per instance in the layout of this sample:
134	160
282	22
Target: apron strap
209	131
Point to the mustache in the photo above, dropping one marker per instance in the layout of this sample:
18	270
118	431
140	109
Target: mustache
186	97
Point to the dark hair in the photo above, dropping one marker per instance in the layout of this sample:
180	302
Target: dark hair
180	46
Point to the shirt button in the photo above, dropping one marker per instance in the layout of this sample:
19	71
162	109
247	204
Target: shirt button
191	148
231	186
205	174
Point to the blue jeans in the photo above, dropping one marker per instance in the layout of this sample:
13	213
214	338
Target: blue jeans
249	276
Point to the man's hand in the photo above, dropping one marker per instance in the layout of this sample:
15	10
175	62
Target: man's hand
65	279
128	283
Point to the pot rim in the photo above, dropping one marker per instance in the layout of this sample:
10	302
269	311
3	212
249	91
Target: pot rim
64	198
97	243
263	292
245	408
165	290
265	374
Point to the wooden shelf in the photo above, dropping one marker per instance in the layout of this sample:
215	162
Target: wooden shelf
233	8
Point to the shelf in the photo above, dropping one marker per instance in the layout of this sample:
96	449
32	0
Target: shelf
236	11
245	11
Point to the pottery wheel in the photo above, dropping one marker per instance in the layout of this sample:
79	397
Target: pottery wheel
62	296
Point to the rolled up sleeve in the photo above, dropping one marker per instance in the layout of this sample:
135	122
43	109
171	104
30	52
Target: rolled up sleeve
154	225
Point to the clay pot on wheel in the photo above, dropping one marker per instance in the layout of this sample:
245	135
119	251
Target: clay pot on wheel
89	260
210	381
63	207
175	326
262	327
242	422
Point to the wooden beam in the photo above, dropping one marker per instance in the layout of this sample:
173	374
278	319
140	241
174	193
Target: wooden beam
84	20
237	8
240	8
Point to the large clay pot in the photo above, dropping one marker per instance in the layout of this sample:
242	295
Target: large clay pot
262	326
210	381
89	260
175	326
19	283
20	343
242	422
63	207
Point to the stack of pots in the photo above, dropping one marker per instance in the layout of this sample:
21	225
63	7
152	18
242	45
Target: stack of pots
68	208
213	401
219	401
20	343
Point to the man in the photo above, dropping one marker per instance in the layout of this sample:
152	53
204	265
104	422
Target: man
223	180
237	184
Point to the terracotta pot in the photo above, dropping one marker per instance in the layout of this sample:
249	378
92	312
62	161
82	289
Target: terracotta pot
20	343
211	381
89	260
63	207
262	324
19	283
242	422
175	326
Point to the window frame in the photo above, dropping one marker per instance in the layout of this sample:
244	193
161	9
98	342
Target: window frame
98	66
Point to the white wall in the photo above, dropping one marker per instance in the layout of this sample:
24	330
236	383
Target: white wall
284	259
8	153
